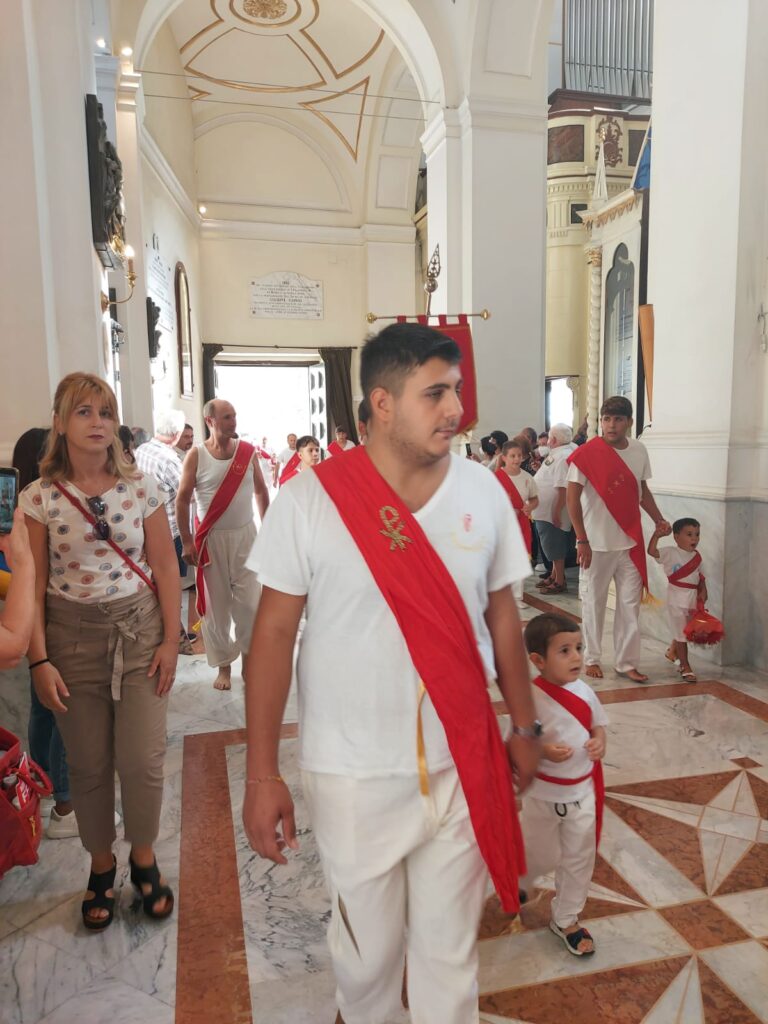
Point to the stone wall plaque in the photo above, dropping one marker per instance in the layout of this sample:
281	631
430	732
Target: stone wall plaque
286	295
161	291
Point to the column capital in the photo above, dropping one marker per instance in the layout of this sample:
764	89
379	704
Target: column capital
445	124
107	72
129	96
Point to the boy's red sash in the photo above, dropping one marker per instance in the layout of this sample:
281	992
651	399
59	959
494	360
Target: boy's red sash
334	448
225	492
616	484
517	504
291	469
582	712
432	616
677	577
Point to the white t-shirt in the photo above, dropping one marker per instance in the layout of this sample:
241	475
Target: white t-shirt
603	532
552	473
524	484
358	688
285	457
562	728
82	567
210	474
673	558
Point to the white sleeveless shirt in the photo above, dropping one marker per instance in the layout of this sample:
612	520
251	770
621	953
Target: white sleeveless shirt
210	473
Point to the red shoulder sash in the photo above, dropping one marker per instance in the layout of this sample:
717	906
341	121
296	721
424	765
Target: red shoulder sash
291	469
225	492
677	577
334	448
517	504
616	485
582	712
437	630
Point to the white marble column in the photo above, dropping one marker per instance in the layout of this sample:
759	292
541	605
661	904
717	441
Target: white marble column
135	373
707	279
595	261
50	277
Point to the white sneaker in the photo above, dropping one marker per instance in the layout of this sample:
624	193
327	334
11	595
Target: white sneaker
62	826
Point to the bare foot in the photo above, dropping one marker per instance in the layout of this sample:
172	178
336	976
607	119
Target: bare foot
223	680
594	672
671	654
635	676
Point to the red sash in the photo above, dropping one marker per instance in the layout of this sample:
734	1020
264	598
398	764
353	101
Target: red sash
677	577
334	448
225	492
616	484
291	469
582	712
263	454
432	616
517	504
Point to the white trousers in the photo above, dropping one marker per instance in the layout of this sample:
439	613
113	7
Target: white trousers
405	876
232	594
560	837
593	591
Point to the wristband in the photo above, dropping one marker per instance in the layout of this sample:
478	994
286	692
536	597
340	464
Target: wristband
266	778
43	661
585	541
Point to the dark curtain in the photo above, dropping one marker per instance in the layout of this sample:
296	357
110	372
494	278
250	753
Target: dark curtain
209	374
338	391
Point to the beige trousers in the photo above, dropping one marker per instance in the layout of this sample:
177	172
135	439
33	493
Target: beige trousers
593	591
114	718
232	595
405	876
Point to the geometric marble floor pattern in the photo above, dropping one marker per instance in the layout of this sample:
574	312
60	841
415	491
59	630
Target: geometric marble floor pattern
678	904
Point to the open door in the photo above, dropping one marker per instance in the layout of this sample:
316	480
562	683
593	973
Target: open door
318	416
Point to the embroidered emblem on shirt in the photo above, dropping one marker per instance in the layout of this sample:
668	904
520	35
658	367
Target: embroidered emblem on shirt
467	521
392	531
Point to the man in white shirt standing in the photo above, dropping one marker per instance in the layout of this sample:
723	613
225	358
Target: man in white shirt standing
282	460
399	815
551	515
158	458
607	487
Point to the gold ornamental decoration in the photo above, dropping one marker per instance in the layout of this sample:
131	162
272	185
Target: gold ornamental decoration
269	9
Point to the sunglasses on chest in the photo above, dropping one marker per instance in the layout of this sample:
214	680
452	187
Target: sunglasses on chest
98	508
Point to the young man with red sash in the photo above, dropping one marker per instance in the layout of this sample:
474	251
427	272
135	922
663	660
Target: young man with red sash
522	492
342	443
607	487
681	563
224	474
403	556
563	809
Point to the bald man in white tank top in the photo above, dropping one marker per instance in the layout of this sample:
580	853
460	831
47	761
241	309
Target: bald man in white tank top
231	590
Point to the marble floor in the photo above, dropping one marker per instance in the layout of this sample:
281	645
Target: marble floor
678	904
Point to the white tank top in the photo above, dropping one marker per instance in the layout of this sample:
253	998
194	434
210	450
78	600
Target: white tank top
210	473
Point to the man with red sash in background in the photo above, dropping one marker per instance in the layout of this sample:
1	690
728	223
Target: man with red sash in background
563	810
286	461
224	474
342	443
403	556
607	487
522	492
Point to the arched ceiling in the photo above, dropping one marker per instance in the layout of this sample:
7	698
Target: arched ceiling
320	60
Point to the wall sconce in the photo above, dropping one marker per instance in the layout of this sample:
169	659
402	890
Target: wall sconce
127	254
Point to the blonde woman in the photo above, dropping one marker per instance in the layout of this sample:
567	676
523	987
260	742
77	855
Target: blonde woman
105	640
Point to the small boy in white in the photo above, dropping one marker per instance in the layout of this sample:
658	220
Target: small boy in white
510	462
562	808
682	564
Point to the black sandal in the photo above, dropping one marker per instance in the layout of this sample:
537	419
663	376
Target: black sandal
98	885
151	876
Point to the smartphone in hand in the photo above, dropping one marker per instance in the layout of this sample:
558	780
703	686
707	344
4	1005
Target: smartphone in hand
9	497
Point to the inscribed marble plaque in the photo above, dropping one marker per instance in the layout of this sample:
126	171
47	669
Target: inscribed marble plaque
286	295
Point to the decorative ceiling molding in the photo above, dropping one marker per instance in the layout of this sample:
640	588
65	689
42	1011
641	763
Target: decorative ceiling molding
248	86
166	174
311	106
352	67
252	117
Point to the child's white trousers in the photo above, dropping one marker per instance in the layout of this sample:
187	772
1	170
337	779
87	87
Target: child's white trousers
560	837
405	876
593	591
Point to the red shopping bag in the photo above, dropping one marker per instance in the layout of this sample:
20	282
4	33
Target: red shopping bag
22	783
704	629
